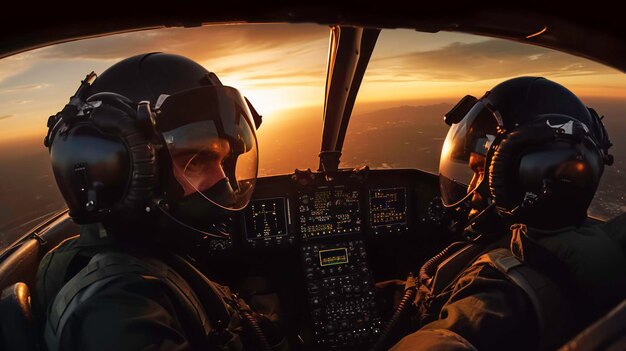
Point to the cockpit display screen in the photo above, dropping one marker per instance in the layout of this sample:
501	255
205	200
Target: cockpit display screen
333	256
266	219
329	211
388	208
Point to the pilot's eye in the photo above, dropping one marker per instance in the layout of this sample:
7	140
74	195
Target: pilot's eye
195	162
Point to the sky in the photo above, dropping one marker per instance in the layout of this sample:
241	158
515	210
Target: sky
281	67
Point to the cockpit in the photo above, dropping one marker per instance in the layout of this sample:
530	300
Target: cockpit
348	194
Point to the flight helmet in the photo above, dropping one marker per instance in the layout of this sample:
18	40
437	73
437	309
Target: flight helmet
544	152
153	132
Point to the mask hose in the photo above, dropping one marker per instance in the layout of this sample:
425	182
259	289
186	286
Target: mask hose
253	326
410	289
429	268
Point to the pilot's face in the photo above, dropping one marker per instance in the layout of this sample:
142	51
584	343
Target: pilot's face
198	170
477	164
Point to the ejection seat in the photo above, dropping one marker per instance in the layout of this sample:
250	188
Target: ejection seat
18	269
18	330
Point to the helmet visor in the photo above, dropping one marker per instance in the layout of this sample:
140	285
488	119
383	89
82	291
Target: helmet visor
462	161
210	136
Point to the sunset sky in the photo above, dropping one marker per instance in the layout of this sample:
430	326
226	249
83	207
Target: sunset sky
411	80
282	66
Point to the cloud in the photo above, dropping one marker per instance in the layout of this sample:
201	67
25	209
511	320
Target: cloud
200	43
490	59
260	55
301	74
24	88
240	64
6	117
15	65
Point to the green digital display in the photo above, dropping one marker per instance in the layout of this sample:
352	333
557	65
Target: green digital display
333	256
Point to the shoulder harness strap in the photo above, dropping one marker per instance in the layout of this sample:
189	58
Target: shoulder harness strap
544	295
104	266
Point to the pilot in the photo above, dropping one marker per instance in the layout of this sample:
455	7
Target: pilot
529	270
151	157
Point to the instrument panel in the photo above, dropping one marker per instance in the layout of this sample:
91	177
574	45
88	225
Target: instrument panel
320	209
347	231
285	210
326	212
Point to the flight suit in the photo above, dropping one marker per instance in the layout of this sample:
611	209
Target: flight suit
482	309
125	312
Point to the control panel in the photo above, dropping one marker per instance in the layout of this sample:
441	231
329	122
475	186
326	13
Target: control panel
333	236
341	294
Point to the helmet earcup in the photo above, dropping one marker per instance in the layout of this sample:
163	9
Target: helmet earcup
562	170
91	169
103	164
102	157
504	184
144	172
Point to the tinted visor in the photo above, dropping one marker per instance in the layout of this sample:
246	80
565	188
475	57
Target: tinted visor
210	136
468	140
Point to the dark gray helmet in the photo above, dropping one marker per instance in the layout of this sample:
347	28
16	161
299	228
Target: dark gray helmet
148	76
544	152
153	128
